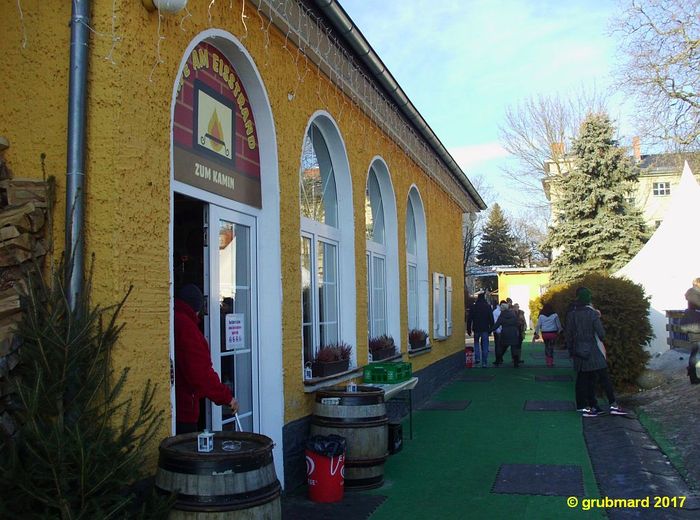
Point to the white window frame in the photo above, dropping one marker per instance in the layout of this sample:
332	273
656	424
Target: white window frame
661	189
376	252
390	251
420	261
343	237
317	233
442	306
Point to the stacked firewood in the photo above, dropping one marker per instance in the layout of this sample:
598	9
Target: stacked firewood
23	235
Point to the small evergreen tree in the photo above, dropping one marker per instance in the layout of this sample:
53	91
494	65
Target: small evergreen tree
79	446
497	246
595	228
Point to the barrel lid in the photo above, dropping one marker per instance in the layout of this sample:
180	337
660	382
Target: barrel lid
252	445
364	394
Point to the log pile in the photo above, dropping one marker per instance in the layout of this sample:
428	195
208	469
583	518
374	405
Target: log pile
23	235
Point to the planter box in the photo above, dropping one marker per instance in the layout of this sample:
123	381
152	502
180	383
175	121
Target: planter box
383	353
418	344
321	369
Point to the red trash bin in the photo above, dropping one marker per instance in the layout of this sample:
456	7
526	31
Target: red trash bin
469	357
325	476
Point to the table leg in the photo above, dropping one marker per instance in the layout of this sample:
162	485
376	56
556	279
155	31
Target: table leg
410	413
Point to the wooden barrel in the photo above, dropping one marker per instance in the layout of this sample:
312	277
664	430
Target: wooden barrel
239	484
361	418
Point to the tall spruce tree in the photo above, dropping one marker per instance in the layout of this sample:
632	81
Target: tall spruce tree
594	227
497	246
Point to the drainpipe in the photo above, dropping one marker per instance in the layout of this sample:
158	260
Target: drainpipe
75	172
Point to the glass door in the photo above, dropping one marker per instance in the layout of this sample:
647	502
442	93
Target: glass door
233	314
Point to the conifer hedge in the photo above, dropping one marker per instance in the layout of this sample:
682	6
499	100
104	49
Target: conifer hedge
625	314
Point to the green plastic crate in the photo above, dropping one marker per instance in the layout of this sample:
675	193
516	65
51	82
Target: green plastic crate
387	373
374	374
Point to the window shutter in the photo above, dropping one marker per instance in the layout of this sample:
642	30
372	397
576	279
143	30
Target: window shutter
448	307
436	305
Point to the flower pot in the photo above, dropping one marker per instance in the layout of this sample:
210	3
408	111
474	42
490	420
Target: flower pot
324	369
415	345
383	353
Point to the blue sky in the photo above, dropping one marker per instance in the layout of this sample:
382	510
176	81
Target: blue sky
463	62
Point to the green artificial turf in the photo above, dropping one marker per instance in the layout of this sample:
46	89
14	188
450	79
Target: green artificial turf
448	469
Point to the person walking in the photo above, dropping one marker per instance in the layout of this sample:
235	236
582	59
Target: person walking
549	326
522	327
194	374
480	320
497	332
510	335
584	338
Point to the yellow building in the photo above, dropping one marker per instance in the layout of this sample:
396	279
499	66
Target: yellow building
223	143
522	285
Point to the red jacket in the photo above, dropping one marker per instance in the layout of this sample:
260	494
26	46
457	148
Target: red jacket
194	374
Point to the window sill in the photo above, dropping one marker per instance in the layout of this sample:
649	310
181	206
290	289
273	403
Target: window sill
313	384
386	360
420	351
441	338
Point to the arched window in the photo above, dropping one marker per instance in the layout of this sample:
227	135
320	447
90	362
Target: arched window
326	244
412	267
418	288
376	257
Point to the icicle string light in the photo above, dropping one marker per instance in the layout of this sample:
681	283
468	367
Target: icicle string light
159	59
187	15
21	22
243	17
310	33
115	38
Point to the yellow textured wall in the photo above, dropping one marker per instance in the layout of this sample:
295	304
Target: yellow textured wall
534	281
128	164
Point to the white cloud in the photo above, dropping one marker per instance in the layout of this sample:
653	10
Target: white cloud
472	155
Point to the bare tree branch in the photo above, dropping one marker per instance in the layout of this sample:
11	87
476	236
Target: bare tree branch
660	42
538	130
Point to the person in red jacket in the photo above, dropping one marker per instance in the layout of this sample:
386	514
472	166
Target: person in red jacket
194	374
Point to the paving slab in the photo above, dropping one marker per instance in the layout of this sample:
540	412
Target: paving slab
539	479
354	506
626	465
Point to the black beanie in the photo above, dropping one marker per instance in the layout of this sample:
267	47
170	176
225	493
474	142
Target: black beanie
192	296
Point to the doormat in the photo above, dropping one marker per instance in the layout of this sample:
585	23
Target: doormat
354	506
553	378
446	405
549	406
468	378
539	479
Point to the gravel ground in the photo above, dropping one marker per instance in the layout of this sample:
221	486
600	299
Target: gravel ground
675	408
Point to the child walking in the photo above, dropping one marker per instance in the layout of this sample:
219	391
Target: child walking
549	326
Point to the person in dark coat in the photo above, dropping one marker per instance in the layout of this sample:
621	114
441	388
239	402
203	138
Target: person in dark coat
480	320
584	338
510	335
195	377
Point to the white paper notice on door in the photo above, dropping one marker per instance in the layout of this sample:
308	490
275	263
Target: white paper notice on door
235	337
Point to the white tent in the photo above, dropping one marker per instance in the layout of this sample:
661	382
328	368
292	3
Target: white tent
670	260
